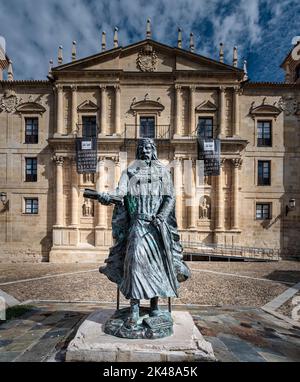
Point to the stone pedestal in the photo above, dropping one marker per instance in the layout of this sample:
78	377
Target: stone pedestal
91	344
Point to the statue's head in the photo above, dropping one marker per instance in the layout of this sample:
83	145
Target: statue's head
146	149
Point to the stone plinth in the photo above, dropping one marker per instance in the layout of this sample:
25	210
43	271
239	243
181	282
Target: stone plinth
91	344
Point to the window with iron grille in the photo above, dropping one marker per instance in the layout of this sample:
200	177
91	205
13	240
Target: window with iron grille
264	133
263	211
31	205
31	170
264	173
205	127
31	130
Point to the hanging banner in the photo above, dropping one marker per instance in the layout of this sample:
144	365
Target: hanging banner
209	150
86	155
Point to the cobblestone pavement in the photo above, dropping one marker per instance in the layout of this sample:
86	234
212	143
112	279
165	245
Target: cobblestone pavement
238	334
212	283
224	299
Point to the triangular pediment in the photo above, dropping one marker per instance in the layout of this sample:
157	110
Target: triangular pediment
30	107
87	106
206	106
148	56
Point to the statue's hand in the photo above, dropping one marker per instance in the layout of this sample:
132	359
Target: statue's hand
157	220
104	198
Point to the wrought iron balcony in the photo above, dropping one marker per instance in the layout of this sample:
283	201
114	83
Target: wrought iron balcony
159	132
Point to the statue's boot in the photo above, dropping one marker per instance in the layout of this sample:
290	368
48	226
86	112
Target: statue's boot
154	309
134	313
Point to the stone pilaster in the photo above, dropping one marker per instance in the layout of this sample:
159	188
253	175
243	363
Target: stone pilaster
74	110
101	210
222	110
117	110
178	191
74	195
178	110
237	163
192	110
236	106
220	199
103	110
60	110
193	205
59	192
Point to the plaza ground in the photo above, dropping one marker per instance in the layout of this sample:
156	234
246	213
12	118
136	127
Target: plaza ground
226	300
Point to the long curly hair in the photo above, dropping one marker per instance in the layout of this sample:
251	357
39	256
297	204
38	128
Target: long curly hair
141	143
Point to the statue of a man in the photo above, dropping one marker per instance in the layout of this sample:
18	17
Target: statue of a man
146	259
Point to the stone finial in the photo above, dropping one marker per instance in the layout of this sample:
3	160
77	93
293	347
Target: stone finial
60	55
116	38
221	53
74	51
235	57
50	66
10	73
245	71
179	39
148	30
192	45
103	41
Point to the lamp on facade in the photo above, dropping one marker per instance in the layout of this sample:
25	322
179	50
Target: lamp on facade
291	206
3	198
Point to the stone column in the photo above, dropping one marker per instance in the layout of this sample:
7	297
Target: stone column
103	110
117	110
193	205
101	210
59	161
117	171
236	106
237	162
192	110
178	191
74	110
220	199
178	110
222	110
74	195
60	109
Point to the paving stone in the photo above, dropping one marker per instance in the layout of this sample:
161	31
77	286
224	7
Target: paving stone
242	350
9	356
221	351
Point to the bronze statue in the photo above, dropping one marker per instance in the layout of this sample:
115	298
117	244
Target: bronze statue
146	259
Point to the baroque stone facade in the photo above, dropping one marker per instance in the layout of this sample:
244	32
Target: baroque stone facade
172	88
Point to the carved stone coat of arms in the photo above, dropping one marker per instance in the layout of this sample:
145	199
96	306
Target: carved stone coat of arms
147	60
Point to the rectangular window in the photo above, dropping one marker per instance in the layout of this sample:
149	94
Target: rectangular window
205	127
147	127
89	127
31	130
264	173
263	211
31	206
31	170
264	133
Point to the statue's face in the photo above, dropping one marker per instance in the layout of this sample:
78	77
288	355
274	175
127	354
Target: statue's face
146	152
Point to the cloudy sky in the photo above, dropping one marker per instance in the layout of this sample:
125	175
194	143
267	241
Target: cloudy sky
261	29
